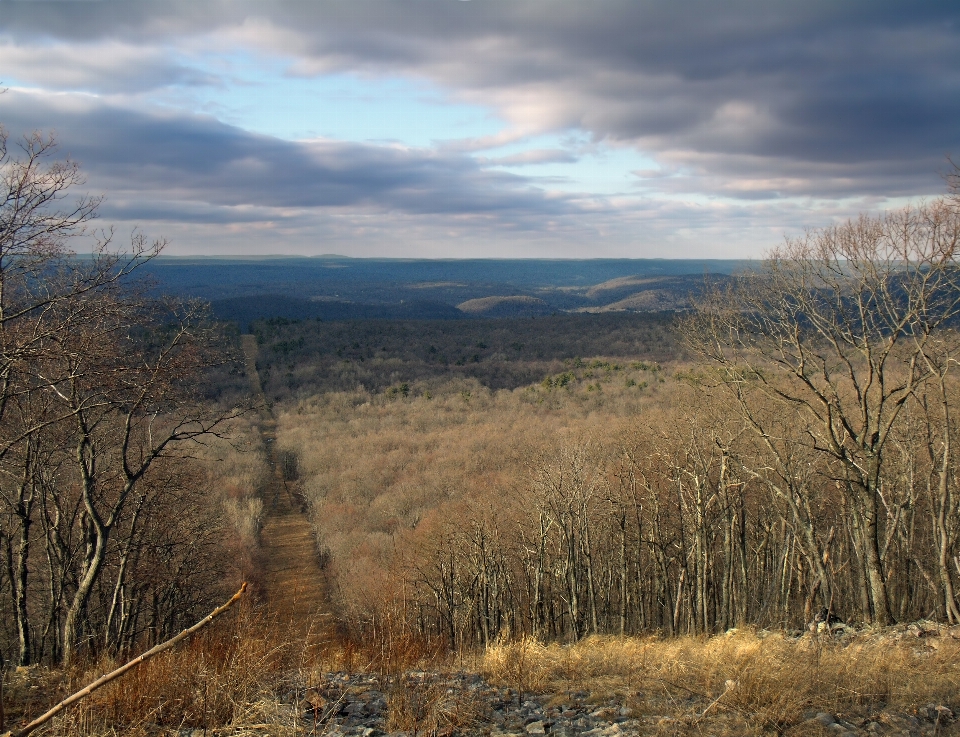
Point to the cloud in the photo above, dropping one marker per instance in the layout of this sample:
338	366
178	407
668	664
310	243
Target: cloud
190	211
168	158
109	66
766	112
213	188
531	157
776	83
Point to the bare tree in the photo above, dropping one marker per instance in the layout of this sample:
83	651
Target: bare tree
42	283
98	393
835	326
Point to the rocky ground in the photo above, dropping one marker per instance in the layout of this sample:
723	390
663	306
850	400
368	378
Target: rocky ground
589	688
443	705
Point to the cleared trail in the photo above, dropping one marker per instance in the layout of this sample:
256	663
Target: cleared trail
294	585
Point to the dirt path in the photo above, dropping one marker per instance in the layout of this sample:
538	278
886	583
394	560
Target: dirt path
293	582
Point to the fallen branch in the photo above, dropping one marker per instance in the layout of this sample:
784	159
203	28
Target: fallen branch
112	675
730	685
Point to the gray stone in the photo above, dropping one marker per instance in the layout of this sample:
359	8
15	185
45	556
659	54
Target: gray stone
605	713
537	727
825	719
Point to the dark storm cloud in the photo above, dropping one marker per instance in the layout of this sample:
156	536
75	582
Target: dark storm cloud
179	158
852	84
190	211
758	116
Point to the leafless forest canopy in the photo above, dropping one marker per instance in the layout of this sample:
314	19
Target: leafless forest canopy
785	447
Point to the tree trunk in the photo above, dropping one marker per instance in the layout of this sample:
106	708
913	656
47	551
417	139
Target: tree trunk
20	586
91	571
874	563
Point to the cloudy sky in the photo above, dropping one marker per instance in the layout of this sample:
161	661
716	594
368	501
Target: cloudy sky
441	128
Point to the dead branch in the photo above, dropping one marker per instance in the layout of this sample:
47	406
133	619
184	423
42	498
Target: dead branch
105	679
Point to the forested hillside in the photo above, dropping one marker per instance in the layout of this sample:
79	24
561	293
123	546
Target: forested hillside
800	456
433	368
301	358
505	492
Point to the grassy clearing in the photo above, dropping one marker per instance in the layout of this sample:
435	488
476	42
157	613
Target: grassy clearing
747	682
253	677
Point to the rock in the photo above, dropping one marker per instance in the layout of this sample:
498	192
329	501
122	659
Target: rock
845	725
356	709
612	730
825	719
900	723
606	712
829	722
361	703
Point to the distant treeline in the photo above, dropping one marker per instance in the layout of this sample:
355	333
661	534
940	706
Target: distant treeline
247	310
300	358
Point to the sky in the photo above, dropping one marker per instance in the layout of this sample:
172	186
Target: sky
481	128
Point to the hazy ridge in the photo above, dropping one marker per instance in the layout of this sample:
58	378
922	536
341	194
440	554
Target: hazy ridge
339	288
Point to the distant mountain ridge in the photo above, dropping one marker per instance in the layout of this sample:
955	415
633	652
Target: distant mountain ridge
337	288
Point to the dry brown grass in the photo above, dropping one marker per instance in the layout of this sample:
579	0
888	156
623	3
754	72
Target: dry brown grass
255	675
249	671
431	708
236	469
252	676
759	682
